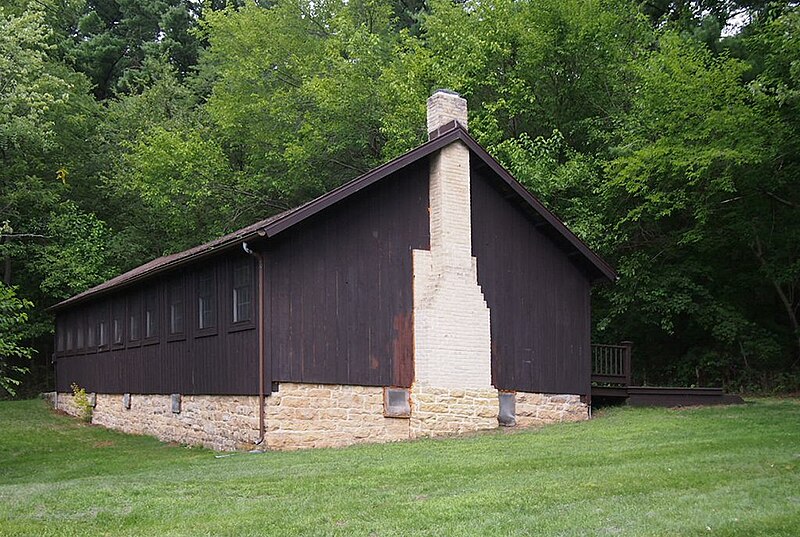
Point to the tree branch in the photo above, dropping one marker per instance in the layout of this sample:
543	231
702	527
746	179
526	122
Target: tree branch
24	236
779	199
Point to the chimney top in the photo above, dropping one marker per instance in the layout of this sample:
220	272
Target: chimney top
445	106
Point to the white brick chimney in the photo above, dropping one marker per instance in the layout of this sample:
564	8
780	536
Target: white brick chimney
451	319
445	106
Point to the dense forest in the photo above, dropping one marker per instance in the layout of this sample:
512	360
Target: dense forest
664	133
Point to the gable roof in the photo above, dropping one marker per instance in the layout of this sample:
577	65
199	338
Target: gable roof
279	223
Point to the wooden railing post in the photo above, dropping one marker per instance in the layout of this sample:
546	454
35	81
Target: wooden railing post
627	357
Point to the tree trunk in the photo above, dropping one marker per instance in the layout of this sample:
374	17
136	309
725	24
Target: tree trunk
787	304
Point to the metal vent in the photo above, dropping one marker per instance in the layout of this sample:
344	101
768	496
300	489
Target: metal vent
176	403
126	401
507	416
396	403
93	399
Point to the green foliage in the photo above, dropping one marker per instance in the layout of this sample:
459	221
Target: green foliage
298	99
28	88
77	255
133	129
81	401
13	353
111	41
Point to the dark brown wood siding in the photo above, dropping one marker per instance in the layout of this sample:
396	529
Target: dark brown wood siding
340	287
539	299
222	359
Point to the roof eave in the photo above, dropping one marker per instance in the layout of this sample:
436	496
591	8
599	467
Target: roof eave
217	248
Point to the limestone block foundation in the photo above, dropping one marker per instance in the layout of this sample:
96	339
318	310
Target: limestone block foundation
535	409
221	422
443	411
317	415
302	416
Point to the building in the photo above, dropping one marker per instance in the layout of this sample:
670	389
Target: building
432	295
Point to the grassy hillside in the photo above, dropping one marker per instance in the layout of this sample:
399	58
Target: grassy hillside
710	471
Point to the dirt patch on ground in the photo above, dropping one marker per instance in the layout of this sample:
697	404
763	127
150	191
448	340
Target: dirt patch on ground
103	443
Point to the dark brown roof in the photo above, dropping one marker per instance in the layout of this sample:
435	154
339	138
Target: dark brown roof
276	224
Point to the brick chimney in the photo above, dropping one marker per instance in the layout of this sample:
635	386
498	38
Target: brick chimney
445	106
451	318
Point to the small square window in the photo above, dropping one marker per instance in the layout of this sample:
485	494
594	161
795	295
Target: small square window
396	403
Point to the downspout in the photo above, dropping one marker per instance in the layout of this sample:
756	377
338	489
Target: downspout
260	324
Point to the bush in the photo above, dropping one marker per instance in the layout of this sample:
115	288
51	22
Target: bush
81	401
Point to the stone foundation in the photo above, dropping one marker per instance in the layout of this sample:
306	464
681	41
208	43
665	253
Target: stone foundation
442	411
222	422
311	415
535	409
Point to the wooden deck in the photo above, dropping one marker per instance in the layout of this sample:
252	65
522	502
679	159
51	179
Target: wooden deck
611	383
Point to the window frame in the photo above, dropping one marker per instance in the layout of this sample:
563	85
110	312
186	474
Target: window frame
151	298
135	307
119	314
69	335
80	332
245	324
89	333
210	330
175	288
102	318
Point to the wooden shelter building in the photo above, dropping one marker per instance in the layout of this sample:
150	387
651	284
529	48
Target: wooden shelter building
432	295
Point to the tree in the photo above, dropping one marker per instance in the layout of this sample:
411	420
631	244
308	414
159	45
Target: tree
686	202
13	354
110	41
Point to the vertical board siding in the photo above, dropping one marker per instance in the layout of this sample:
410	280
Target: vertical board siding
539	299
338	301
222	362
341	287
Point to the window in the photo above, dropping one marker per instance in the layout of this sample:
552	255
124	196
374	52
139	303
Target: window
175	300
118	322
90	331
396	403
60	336
134	321
118	331
242	291
101	326
206	303
102	333
151	315
79	335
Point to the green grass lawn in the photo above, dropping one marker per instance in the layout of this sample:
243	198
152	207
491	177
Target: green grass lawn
705	471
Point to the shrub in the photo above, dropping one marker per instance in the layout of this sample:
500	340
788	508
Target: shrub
81	401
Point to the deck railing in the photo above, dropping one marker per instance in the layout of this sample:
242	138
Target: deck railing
611	364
